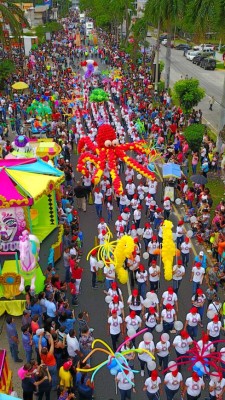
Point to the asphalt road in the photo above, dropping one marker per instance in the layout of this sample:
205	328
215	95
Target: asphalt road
211	81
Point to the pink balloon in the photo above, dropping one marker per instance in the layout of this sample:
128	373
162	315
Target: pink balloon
130	338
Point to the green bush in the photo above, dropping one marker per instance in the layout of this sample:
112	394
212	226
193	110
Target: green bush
194	136
188	92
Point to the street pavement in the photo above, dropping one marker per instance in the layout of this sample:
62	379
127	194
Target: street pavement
211	81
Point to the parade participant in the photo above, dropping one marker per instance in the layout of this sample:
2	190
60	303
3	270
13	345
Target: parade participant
153	245
185	251
198	301
193	387
180	233
115	328
217	388
135	302
147	234
142	279
13	339
162	351
178	274
144	358
151	319
109	272
133	321
213	330
168	316
197	276
193	319
94	268
125	384
154	276
137	216
173	382
169	297
128	345
47	357
117	305
98	201
152	386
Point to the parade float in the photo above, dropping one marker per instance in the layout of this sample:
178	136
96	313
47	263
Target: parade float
28	214
5	375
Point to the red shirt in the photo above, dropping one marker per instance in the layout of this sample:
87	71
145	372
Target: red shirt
77	273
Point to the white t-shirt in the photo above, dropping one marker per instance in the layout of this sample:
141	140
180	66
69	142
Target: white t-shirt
102	227
110	272
152	386
178	272
173	382
101	238
193	319
98	198
194	388
115	325
169	298
152	246
207	347
182	345
137	215
185	248
152	187
116	306
130	188
150	347
133	322
118	224
219	387
72	345
141	276
214	328
134	306
93	264
198	274
163	348
168	315
151	321
148	233
123	200
153	273
179	231
123	383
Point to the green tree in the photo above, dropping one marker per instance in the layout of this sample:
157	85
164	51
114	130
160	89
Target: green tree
194	136
13	16
188	93
7	67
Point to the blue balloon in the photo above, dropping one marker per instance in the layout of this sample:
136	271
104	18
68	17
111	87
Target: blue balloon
112	364
113	371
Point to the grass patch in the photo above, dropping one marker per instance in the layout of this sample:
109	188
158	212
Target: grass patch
219	65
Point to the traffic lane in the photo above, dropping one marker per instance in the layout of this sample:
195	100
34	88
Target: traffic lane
211	81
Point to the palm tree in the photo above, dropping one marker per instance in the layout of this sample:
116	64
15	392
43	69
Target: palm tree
13	16
164	14
202	13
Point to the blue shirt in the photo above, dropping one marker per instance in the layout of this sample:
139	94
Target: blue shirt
11	331
36	341
26	338
202	261
36	309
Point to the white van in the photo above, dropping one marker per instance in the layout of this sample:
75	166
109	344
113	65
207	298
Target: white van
207	48
191	54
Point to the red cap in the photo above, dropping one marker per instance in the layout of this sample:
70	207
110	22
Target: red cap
169	306
132	314
198	264
166	198
114	285
130	181
199	291
135	240
119	218
121	229
154	375
187	240
104	232
205	337
154	237
147	225
126	210
133	226
108	186
67	365
180	223
135	196
151	310
97	190
74	212
94	252
139	207
195	376
170	290
115	299
215	318
153	262
135	292
174	373
158	209
141	267
184	334
102	220
114	311
179	262
149	195
193	310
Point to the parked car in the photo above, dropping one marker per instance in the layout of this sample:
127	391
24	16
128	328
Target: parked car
208	63
162	37
191	54
205	47
164	42
198	59
183	46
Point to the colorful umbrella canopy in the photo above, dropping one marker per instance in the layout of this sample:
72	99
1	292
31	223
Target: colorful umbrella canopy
24	180
20	85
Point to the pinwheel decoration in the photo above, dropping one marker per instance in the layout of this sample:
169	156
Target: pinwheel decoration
115	362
